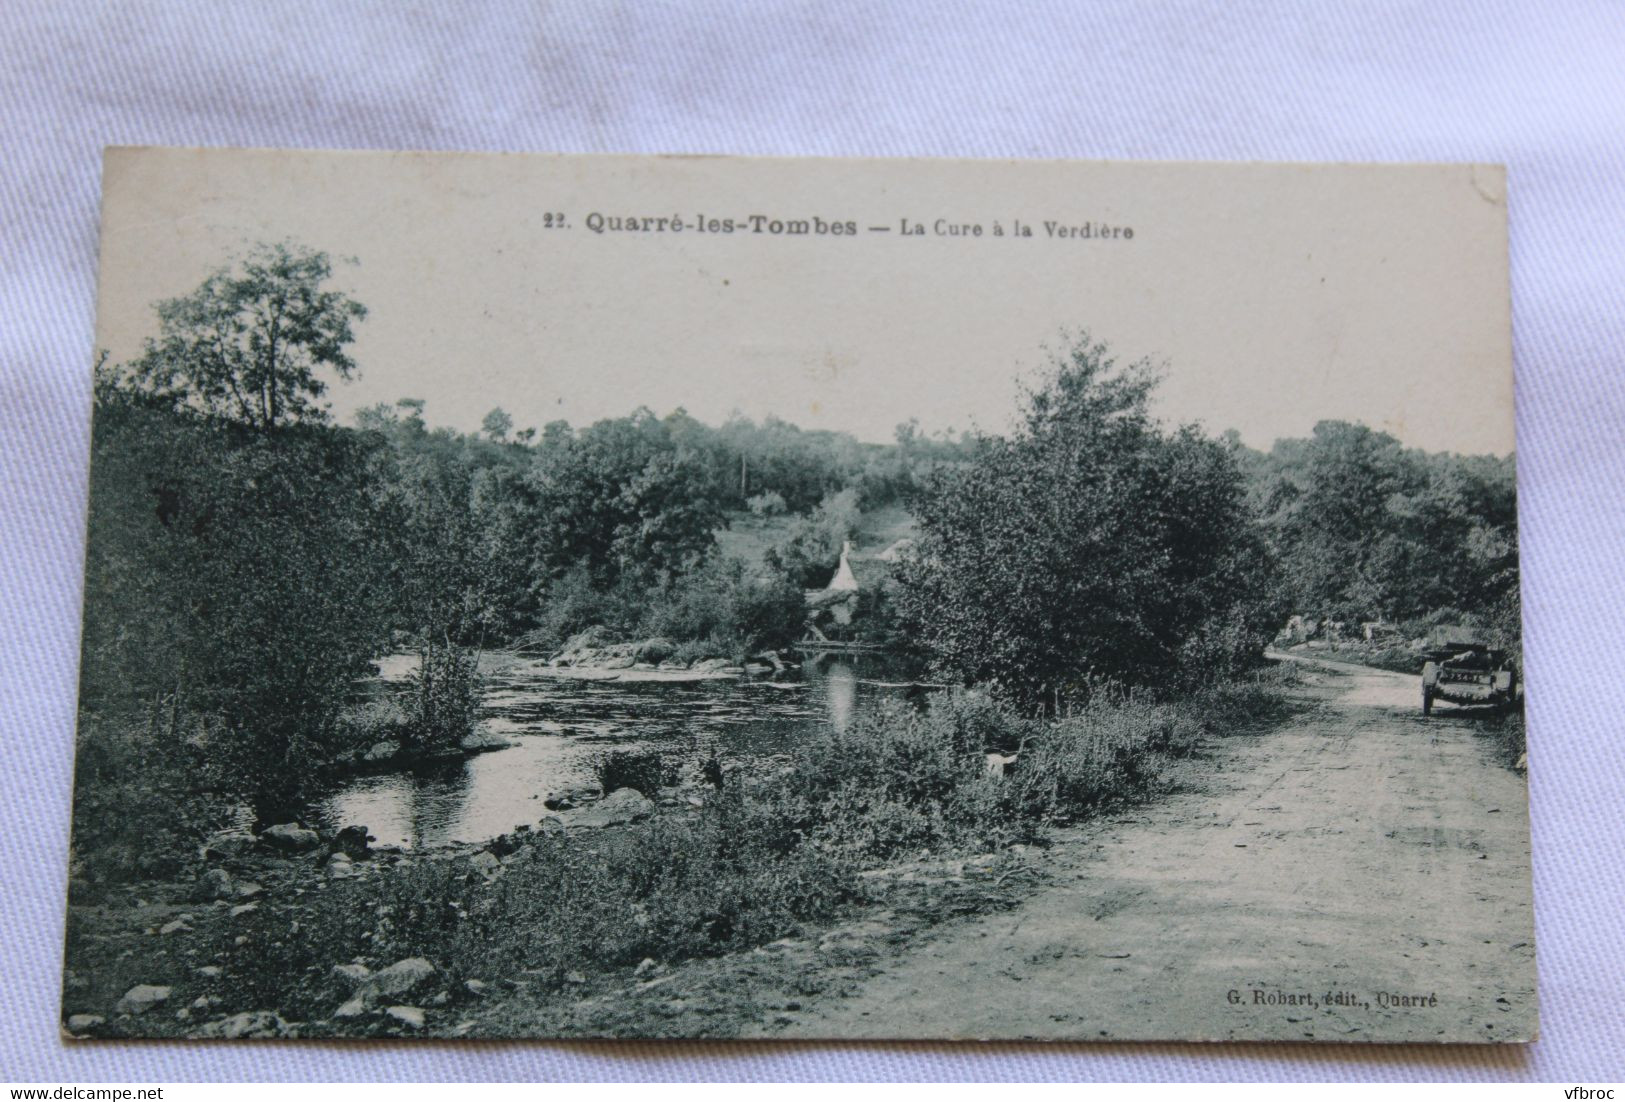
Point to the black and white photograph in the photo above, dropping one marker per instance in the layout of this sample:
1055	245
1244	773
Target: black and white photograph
619	596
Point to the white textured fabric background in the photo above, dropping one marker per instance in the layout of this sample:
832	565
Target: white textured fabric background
1540	87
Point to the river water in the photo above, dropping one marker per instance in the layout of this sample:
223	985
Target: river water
557	725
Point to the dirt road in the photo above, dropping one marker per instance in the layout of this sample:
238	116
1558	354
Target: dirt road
1361	874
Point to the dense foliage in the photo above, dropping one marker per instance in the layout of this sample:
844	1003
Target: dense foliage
1366	529
1090	542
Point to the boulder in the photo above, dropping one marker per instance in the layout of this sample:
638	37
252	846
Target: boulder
243	909
481	739
353	974
250	1023
215	883
353	842
486	863
382	750
210	971
84	1023
224	844
180	925
624	662
354	1008
558	801
290	838
340	867
624	805
476	988
142	998
409	1016
709	665
400	978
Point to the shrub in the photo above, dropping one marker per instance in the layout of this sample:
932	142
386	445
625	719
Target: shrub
898	780
362	725
1090	539
442	700
140	801
810	550
733	610
571	605
770	504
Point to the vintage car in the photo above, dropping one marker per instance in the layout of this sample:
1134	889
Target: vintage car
1469	673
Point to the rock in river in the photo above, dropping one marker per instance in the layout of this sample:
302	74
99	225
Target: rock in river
482	739
624	805
290	838
354	842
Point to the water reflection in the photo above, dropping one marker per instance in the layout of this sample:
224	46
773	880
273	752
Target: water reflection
840	692
558	725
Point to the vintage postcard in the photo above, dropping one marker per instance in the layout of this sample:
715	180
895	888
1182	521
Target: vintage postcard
589	596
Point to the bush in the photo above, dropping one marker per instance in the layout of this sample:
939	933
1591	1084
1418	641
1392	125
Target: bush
809	552
898	781
374	721
770	504
442	700
140	798
735	612
1091	539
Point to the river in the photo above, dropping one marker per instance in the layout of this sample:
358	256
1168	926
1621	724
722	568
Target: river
557	725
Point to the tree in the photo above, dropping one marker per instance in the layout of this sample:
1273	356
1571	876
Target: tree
252	343
621	499
236	580
1366	528
497	425
233	585
1089	542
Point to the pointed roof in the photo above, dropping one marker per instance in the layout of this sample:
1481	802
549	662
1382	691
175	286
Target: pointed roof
844	580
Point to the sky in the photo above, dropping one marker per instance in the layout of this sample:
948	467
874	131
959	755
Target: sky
1272	297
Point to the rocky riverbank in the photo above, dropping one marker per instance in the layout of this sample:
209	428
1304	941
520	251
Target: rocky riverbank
192	936
589	655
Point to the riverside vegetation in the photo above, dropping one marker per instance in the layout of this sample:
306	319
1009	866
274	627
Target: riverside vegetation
1097	588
